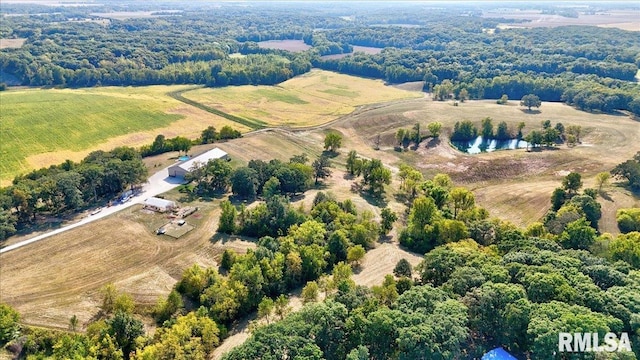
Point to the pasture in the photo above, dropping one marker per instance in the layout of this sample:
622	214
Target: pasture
514	184
307	100
46	127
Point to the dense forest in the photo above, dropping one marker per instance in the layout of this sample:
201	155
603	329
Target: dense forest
589	67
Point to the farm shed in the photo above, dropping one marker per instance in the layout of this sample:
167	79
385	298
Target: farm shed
159	205
182	168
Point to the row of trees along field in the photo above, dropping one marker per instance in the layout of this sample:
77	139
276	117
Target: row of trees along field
68	187
589	67
483	282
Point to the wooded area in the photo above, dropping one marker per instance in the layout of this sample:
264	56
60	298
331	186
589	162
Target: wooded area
589	67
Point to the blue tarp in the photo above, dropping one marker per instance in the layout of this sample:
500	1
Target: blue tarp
498	354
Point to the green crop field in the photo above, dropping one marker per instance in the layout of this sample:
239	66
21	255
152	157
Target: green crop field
45	127
36	122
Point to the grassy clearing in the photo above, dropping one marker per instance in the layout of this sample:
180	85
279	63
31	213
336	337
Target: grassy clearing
311	99
45	127
12	43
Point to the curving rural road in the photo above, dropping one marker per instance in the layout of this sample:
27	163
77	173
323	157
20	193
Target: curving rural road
158	183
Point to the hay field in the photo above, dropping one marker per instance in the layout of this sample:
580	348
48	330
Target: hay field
310	99
46	127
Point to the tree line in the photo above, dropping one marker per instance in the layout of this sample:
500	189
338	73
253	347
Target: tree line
69	187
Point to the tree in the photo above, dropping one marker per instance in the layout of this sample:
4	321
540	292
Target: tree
487	128
228	259
402	137
244	182
300	159
534	138
415	134
355	254
227	223
504	99
375	175
629	170
461	199
353	162
109	294
321	168
521	126
209	135
388	218
227	132
502	133
578	235
558	197
73	323
602	179
124	329
8	222
530	101
332	141
265	308
626	247
463	95
271	187
281	306
572	183
403	268
574	130
310	292
434	128
628	220
9	324
181	144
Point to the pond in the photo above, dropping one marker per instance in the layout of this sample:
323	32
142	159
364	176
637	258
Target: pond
479	145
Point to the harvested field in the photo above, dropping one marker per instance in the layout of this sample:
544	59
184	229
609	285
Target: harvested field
622	19
52	280
288	45
363	49
310	99
12	43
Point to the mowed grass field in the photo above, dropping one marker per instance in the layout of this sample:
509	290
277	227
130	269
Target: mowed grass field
46	127
307	100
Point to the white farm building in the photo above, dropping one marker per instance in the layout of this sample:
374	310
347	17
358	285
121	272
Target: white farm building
159	205
182	168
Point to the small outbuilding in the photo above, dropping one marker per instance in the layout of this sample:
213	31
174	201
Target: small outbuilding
159	205
182	168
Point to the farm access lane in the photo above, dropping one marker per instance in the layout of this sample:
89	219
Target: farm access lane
158	183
